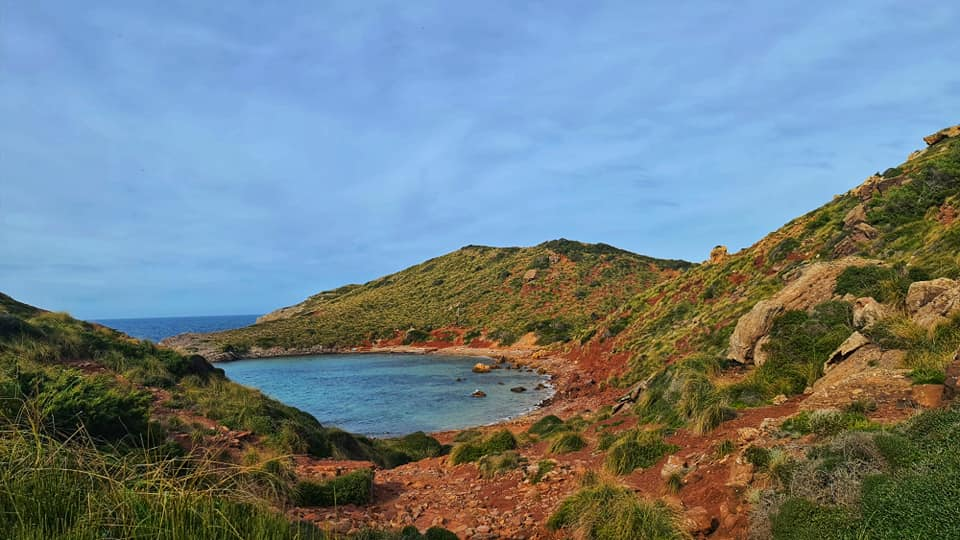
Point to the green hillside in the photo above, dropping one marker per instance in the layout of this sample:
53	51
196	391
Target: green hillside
557	290
105	436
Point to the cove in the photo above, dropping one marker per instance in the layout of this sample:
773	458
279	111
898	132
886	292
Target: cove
386	395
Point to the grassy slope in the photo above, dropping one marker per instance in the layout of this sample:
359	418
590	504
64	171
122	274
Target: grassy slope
475	288
695	313
103	435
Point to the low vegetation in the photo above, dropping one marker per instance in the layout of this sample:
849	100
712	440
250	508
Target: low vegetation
352	488
604	510
636	449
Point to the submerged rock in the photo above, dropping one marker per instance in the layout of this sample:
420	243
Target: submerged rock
478	393
518	389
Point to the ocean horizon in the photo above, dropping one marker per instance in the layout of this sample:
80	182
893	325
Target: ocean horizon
157	328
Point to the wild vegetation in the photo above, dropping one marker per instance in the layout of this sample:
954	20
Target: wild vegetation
105	436
555	290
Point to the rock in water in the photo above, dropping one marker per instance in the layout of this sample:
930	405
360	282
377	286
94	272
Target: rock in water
478	393
480	367
518	389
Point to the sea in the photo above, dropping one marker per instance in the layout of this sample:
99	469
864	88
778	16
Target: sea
378	395
157	328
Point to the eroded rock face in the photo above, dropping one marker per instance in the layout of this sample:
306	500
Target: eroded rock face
922	293
814	286
945	133
932	303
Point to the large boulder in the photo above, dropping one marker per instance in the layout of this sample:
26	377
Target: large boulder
815	285
750	328
922	293
931	303
945	133
718	254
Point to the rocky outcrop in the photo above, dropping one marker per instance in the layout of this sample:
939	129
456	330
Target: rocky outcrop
867	311
814	286
718	255
877	185
851	344
869	373
945	133
750	328
931	303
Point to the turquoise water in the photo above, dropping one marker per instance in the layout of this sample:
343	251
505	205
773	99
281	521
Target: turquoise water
384	395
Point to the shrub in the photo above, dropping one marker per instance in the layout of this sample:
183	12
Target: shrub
782	250
498	442
639	449
469	435
757	456
610	512
465	453
546	425
491	465
883	283
352	488
566	443
724	448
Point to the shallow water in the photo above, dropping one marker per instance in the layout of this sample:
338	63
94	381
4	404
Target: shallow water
391	394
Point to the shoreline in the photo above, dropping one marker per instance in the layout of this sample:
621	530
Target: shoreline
519	358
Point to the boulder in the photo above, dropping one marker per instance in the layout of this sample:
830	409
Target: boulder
750	328
518	389
480	367
851	344
741	474
939	309
945	133
530	275
856	215
815	285
718	254
928	396
867	311
922	293
478	393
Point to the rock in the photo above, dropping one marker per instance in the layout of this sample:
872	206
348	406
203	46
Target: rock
945	133
747	434
478	393
940	308
480	367
863	232
814	285
851	344
518	389
779	399
876	185
915	154
697	520
857	215
867	311
928	396
922	293
530	275
750	328
741	474
718	254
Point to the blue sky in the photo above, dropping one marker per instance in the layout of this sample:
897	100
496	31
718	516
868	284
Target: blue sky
200	157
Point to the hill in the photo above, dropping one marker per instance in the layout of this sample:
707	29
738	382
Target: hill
557	290
102	435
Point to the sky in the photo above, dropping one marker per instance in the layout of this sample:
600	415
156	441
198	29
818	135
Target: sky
208	157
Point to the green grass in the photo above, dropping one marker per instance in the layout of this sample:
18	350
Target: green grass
899	483
484	283
352	488
636	449
606	511
566	443
496	443
491	465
